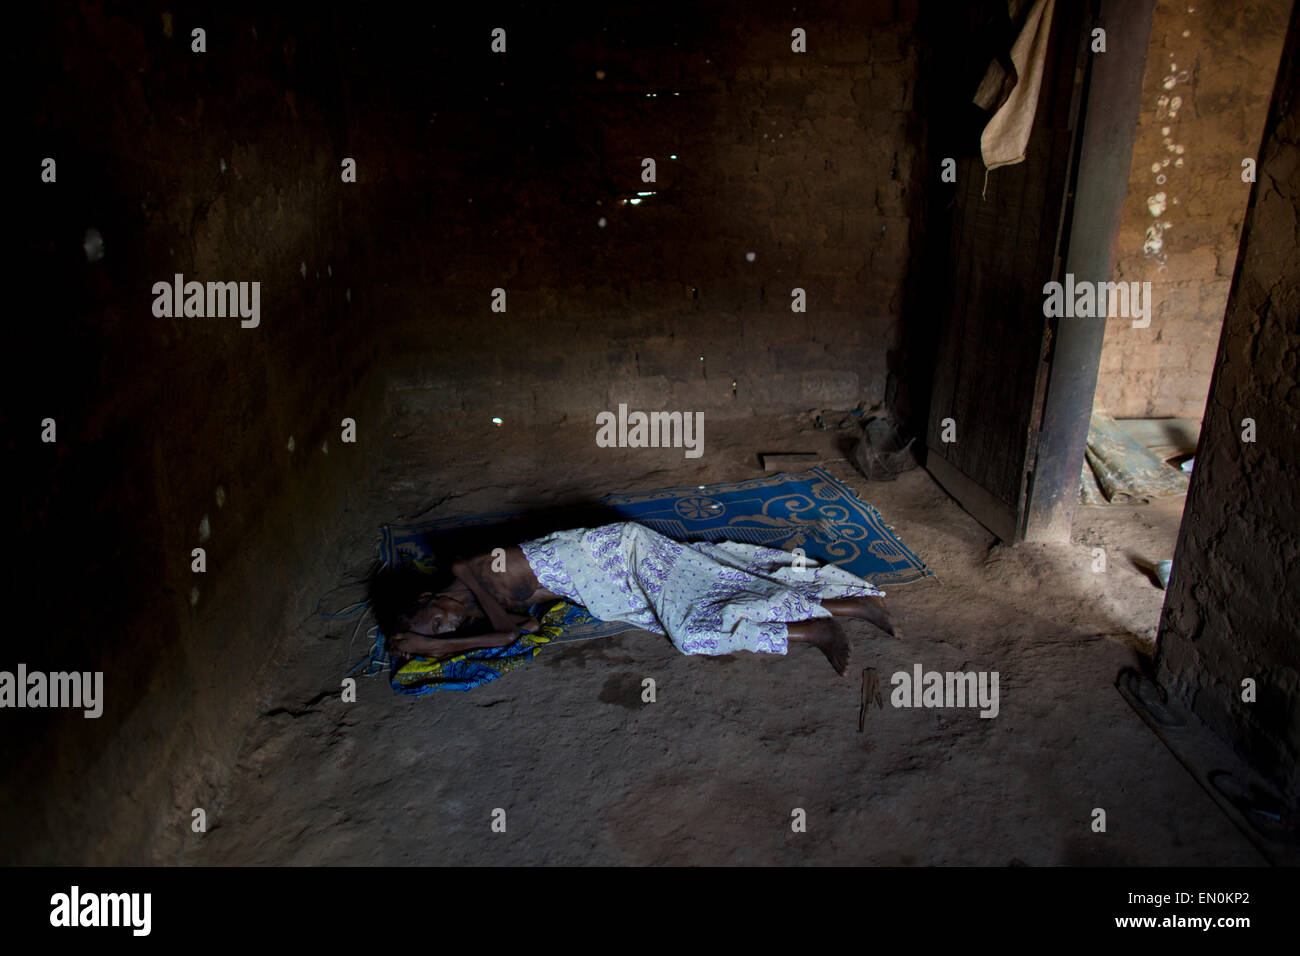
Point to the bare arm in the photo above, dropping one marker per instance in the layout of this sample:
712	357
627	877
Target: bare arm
407	644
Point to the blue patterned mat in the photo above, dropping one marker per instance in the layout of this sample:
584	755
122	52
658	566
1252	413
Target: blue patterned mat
810	510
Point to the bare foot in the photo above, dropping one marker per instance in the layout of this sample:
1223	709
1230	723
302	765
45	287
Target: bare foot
871	609
825	634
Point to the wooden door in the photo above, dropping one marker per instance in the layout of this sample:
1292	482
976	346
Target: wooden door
995	346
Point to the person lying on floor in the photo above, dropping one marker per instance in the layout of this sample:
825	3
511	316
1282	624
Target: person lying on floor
708	598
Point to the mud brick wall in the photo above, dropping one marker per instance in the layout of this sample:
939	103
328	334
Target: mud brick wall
1233	608
1219	60
222	166
800	159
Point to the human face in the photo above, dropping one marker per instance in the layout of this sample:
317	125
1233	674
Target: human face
436	614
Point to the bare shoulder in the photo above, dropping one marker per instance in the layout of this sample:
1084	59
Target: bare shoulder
503	572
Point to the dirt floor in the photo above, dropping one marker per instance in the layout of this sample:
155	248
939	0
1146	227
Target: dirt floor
711	772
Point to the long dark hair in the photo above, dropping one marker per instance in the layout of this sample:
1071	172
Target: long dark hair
394	593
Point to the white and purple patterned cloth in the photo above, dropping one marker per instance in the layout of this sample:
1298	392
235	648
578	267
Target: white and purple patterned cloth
708	598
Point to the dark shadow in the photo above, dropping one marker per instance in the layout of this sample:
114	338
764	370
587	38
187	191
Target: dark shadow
515	527
1146	567
955	49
